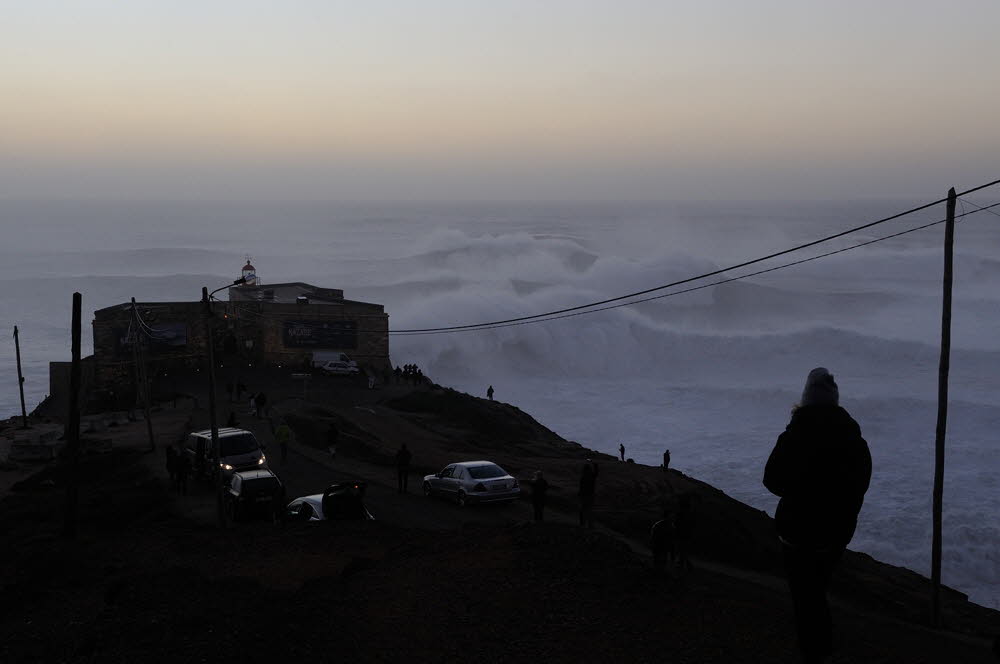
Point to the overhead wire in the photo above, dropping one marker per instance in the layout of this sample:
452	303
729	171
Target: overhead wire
595	307
545	315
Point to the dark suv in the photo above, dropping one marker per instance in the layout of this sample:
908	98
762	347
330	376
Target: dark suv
254	493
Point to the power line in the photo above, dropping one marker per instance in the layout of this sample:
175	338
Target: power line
695	288
980	208
571	313
689	279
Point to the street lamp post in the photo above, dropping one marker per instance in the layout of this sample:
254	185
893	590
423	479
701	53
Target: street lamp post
217	475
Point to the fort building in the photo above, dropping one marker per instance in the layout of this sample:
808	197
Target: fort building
277	325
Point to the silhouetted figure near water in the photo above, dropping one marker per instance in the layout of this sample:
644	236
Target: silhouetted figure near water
684	527
403	458
666	460
662	540
539	487
489	393
621	450
820	467
588	486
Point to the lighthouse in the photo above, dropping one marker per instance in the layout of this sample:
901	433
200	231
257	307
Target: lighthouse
249	274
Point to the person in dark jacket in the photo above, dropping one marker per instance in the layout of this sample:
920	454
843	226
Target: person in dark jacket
539	487
403	458
820	468
588	486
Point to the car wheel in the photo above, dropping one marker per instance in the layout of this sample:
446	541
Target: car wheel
461	499
427	489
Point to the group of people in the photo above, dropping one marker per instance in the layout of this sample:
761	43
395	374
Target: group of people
410	373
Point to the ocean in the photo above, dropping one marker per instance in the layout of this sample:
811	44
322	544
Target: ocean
711	375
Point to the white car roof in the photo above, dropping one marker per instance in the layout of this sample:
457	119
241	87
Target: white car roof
476	463
223	432
315	501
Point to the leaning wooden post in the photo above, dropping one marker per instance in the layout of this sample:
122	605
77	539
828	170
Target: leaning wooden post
71	459
942	414
20	378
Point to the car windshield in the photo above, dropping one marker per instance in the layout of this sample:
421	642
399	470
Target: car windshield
232	445
486	472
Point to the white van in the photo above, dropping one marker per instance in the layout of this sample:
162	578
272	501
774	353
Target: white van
238	450
322	357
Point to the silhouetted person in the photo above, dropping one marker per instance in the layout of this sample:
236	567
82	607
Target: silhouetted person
283	434
399	375
253	404
232	421
229	390
684	527
539	487
240	389
261	404
662	539
588	486
821	468
332	438
403	458
666	460
172	465
183	471
621	450
278	500
489	393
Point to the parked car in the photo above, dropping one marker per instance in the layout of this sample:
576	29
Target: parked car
341	501
472	482
238	450
321	357
338	368
252	493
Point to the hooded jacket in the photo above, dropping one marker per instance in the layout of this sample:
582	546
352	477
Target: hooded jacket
821	468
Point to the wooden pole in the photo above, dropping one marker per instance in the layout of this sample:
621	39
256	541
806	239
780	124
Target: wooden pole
141	381
942	414
216	473
71	459
20	378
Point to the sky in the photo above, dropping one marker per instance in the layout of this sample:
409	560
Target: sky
497	99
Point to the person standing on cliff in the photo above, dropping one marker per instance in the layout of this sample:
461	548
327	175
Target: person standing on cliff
403	458
539	487
489	393
820	468
621	450
666	461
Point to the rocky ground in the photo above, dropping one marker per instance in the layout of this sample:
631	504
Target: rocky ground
150	576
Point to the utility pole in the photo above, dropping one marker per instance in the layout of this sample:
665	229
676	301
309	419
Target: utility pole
216	471
71	460
942	414
141	382
20	379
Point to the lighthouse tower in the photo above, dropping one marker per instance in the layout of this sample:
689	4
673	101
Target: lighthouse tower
250	273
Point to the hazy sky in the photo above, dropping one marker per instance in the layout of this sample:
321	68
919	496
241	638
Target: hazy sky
441	99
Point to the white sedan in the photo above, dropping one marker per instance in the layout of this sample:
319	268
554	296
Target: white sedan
472	482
